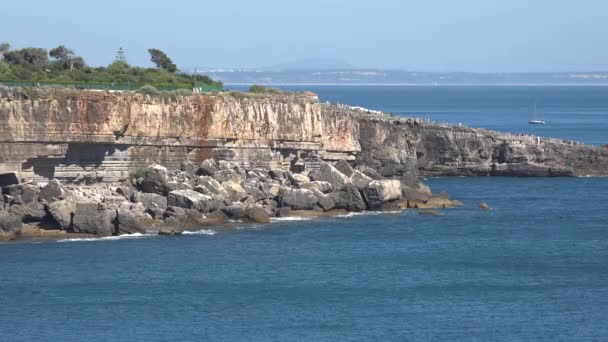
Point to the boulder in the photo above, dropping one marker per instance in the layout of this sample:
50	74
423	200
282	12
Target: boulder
189	199
349	198
31	212
130	222
52	191
297	199
115	202
223	176
360	180
29	193
484	206
151	201
257	214
277	174
63	212
207	168
235	211
326	202
209	186
418	191
189	168
369	172
298	179
10	225
330	174
283	212
254	190
126	191
92	218
322	186
156	180
381	191
435	202
235	191
344	167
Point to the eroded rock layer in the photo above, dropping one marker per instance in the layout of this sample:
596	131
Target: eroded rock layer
103	136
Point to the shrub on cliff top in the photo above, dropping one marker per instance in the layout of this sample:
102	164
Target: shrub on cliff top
258	89
149	90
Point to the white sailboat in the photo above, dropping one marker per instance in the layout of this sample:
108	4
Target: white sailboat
535	121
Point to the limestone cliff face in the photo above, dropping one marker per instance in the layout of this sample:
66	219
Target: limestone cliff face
48	133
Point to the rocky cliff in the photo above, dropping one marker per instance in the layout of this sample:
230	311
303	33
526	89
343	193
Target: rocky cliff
68	134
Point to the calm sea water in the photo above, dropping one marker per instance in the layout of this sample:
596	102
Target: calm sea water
534	268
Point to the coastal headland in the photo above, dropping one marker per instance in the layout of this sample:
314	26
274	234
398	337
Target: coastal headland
109	163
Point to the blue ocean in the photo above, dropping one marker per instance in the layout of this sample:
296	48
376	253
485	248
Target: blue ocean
535	268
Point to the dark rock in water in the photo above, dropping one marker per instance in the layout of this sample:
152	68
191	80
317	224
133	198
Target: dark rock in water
52	192
92	218
63	213
171	230
10	225
130	222
348	198
418	191
156	180
257	214
31	212
330	174
394	206
428	212
217	217
283	212
344	167
484	206
207	168
298	199
381	191
235	212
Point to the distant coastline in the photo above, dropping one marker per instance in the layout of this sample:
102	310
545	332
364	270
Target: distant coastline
422	84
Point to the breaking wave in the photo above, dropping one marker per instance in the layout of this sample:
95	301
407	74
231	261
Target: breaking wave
108	238
200	232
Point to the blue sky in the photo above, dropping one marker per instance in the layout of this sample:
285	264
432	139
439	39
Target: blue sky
437	35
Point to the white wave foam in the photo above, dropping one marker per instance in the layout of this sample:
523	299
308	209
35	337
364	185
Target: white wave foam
293	218
108	238
200	232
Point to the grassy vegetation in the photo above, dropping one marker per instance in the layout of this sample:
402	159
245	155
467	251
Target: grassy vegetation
62	66
258	89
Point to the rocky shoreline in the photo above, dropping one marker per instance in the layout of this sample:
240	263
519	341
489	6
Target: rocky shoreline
158	201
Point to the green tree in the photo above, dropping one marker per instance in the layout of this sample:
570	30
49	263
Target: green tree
162	61
34	59
4	48
66	59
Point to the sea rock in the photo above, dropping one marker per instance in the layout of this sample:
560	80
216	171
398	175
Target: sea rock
360	180
283	212
126	191
235	191
324	187
436	202
31	212
344	167
156	180
257	214
297	199
151	201
10	225
208	167
207	185
92	218
189	199
330	174
484	206
254	191
381	191
298	179
236	211
29	193
326	202
63	212
349	198
130	222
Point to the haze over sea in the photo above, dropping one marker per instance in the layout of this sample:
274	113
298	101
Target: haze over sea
534	268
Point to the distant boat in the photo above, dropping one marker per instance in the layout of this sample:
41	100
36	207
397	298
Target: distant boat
536	122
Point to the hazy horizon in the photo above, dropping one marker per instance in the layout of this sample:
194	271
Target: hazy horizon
435	36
